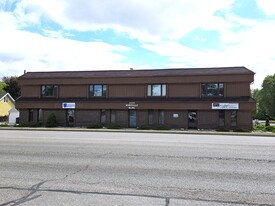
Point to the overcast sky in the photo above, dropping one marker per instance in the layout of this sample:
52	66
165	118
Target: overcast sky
47	35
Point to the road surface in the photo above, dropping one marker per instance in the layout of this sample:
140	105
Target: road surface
102	168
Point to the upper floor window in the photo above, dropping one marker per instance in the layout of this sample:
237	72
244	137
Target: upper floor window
156	90
212	90
97	90
49	90
6	99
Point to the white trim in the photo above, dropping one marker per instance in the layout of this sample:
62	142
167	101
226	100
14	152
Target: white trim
7	94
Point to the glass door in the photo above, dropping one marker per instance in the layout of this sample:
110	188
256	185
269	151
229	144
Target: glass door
70	118
132	118
192	120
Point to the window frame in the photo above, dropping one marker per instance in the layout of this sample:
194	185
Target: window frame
205	87
54	91
162	88
92	90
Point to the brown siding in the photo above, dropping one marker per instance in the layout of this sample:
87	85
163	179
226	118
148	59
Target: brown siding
237	89
207	119
183	90
180	122
31	91
87	117
73	91
126	90
122	118
60	116
244	120
142	117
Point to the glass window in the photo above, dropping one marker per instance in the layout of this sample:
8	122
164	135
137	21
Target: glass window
150	117
103	116
233	117
31	114
221	118
156	90
49	90
98	90
113	116
212	90
6	99
161	117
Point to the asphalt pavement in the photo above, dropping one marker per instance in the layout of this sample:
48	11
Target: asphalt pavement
107	168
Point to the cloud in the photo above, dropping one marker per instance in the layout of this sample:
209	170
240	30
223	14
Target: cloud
268	6
144	20
23	50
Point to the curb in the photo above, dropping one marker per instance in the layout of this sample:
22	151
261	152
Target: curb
195	132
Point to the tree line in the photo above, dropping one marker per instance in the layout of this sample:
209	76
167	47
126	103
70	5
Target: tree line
265	98
10	85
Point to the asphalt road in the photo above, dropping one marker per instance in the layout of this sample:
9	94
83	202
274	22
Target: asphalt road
101	168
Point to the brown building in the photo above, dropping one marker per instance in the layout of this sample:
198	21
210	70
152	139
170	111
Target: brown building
197	98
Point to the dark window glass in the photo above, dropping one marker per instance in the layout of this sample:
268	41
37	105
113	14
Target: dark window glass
6	99
233	117
150	117
212	90
156	90
98	90
49	90
31	114
103	116
221	118
161	117
113	116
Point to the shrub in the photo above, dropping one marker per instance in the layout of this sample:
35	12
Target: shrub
51	121
242	130
144	127
95	126
270	128
114	126
259	127
222	129
162	127
29	125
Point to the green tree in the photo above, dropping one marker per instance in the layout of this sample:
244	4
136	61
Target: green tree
11	86
268	95
2	86
260	112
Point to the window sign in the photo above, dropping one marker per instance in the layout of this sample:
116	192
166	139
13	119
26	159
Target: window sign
232	106
68	105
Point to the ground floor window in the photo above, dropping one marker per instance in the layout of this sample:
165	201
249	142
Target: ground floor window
150	117
161	117
103	116
113	116
233	117
221	118
31	114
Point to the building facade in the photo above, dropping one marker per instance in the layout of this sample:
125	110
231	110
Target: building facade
197	98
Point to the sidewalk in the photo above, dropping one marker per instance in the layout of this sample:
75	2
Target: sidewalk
129	130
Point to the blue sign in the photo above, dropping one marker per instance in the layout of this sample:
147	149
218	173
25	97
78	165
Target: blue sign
68	105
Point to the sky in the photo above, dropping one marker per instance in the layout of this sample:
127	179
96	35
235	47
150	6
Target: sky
63	35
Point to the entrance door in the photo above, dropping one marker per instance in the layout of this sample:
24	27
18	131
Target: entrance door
192	119
132	118
70	117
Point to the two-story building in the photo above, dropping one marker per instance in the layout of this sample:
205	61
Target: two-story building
193	98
